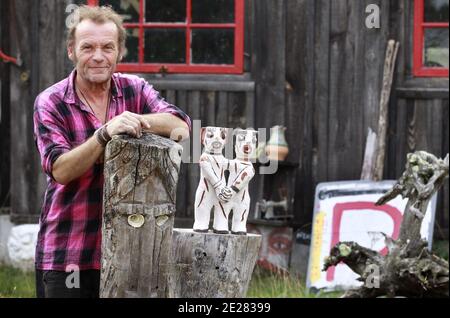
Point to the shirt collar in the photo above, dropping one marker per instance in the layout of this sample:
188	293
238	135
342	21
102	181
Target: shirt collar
69	96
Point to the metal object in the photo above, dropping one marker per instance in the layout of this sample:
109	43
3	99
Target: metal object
265	209
6	58
136	220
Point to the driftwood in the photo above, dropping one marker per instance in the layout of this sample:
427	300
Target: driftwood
369	156
388	75
209	265
141	177
409	269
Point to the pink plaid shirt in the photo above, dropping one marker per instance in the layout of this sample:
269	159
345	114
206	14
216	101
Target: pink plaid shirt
70	221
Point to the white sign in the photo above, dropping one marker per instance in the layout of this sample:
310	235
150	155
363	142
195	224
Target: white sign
346	211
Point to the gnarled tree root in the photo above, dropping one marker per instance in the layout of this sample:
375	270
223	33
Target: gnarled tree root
425	275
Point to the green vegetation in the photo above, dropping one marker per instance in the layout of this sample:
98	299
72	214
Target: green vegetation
265	284
16	284
440	248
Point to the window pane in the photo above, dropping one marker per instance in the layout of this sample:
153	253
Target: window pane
436	48
214	46
436	10
216	11
165	46
165	10
132	46
128	9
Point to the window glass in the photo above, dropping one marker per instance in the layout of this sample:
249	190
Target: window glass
436	48
165	11
165	46
436	10
128	9
158	34
213	46
132	46
213	11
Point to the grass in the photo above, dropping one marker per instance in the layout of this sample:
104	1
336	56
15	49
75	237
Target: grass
16	284
264	284
440	248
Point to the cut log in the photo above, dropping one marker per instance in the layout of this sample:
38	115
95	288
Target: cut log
209	265
141	177
409	269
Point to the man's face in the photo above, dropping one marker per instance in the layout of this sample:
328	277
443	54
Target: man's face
95	51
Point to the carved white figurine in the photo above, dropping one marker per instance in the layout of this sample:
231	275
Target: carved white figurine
212	190
241	172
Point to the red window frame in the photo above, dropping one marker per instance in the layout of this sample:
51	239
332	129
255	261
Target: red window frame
141	67
419	69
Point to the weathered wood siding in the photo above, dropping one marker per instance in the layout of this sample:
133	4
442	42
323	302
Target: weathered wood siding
420	124
334	70
5	127
37	31
333	78
311	65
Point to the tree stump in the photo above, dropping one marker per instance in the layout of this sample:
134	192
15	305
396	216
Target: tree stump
209	265
141	177
409	269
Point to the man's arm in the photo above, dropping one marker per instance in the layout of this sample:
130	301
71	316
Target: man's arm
167	125
75	163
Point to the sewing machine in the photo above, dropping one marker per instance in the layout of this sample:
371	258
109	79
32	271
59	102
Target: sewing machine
267	210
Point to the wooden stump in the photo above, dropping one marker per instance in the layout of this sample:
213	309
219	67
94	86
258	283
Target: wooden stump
209	265
141	177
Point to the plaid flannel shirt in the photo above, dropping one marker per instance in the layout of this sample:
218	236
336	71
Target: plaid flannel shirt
70	221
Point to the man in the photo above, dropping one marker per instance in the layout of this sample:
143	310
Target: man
73	121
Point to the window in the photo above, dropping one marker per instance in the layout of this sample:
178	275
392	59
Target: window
431	38
181	36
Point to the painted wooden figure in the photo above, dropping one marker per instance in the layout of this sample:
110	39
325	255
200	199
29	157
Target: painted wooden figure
241	172
212	190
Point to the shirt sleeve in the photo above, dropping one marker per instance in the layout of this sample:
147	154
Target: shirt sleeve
50	135
152	102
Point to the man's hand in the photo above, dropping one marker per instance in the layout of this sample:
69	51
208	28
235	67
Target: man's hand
128	123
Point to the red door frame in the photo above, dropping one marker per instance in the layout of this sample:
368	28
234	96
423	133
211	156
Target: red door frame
419	27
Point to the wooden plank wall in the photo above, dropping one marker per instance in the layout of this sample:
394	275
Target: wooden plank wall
311	65
38	29
417	124
418	114
333	79
5	126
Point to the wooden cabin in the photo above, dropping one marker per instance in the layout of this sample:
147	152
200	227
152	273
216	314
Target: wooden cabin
314	66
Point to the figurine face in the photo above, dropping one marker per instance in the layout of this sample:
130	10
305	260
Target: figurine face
245	143
214	139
